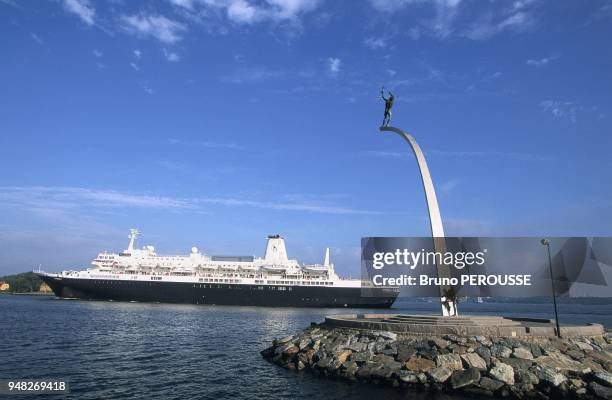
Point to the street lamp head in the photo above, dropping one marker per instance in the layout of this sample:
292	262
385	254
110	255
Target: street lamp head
545	242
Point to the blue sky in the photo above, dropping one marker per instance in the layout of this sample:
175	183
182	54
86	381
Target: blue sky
217	122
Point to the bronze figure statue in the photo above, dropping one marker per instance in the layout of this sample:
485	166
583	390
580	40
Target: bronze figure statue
388	106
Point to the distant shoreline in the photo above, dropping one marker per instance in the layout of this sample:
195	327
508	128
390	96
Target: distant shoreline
27	293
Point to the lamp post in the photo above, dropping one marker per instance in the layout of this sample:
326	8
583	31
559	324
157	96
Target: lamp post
546	242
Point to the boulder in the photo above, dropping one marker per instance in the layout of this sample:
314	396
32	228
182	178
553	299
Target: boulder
550	375
584	346
390	351
383	359
439	342
473	360
464	378
483	340
291	351
526	377
517	363
387	335
484	353
440	374
503	372
490	384
404	352
602	357
284	340
600	390
560	362
535	349
350	369
408	377
428	353
418	364
344	355
364	356
575	354
603	378
366	371
356	347
522	352
576	383
324	362
500	351
450	361
460	350
382	372
307	356
302	344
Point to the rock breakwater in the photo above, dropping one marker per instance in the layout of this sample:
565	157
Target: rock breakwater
547	368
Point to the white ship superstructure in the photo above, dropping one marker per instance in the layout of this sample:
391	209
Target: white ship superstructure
274	268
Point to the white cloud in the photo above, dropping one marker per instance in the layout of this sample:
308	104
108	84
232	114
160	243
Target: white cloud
334	65
137	54
542	62
82	8
375	43
188	4
211	145
247	75
97	53
444	13
448	186
171	56
249	11
392	5
243	11
74	199
133	65
461	155
490	154
157	26
517	18
36	38
148	90
561	109
386	154
9	3
478	21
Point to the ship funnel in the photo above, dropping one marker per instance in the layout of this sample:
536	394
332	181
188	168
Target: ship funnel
326	262
275	250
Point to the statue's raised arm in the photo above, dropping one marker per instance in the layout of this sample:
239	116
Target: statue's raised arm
382	94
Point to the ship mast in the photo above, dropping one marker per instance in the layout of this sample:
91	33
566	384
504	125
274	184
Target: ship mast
132	236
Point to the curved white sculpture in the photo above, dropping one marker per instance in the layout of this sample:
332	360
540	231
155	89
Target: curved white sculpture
449	306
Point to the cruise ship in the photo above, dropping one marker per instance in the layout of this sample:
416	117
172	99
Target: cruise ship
198	278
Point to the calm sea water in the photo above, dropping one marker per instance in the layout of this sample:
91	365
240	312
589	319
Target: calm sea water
143	351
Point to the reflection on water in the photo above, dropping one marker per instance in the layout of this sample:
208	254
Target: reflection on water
135	350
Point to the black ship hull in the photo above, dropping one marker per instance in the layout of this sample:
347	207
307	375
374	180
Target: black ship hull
219	294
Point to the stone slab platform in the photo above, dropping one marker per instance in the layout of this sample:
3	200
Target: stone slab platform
461	325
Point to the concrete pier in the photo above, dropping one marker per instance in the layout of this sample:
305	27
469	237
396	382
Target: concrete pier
464	325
